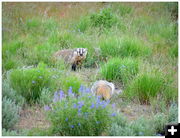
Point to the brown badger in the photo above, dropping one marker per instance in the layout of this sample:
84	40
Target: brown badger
72	56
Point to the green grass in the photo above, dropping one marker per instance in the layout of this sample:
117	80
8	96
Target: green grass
145	86
126	42
120	69
71	81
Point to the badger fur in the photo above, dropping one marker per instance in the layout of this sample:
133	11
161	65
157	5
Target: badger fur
74	57
103	88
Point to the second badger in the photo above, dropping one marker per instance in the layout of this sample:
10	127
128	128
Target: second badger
75	57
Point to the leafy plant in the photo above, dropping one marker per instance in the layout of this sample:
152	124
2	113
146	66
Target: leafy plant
105	18
8	92
86	115
10	113
30	82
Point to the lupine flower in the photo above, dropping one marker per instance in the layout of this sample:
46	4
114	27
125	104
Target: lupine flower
81	103
113	114
74	106
113	105
56	98
61	94
66	119
81	88
88	90
89	96
47	108
92	106
70	91
97	122
72	126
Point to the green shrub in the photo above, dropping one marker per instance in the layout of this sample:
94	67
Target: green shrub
173	114
133	47
120	69
159	121
105	18
86	115
11	94
71	81
142	127
145	86
14	133
30	82
45	97
120	127
10	114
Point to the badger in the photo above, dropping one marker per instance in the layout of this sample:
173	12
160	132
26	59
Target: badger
104	89
74	57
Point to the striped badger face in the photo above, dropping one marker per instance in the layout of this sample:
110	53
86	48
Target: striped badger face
79	55
81	52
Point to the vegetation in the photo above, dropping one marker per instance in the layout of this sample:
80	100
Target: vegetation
133	45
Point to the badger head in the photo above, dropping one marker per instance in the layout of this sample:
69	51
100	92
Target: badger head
81	52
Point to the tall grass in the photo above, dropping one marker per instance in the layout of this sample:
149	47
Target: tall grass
144	86
120	69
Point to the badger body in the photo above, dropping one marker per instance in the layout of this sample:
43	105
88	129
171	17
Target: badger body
74	57
103	88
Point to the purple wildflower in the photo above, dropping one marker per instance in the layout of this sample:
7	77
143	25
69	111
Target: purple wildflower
113	105
79	124
92	106
56	98
97	122
74	106
61	94
70	91
113	114
72	126
81	103
47	108
88	90
66	119
33	82
81	89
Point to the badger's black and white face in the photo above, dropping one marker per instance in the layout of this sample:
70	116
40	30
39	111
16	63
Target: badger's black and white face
81	52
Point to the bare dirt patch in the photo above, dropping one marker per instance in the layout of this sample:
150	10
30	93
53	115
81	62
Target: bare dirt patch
32	117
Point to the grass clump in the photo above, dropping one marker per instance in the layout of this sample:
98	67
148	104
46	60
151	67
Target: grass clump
120	69
145	86
10	113
110	47
133	47
71	81
83	24
86	115
30	82
104	19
